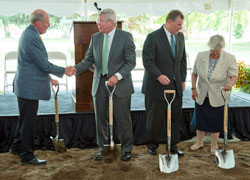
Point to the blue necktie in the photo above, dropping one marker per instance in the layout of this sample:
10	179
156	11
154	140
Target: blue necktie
173	45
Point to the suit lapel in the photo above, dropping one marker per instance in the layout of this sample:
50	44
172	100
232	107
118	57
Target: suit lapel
99	48
166	42
204	64
38	35
177	45
114	43
219	66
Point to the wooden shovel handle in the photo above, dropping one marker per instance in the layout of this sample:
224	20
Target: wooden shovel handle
56	102
225	97
169	110
110	112
169	91
169	122
225	118
56	110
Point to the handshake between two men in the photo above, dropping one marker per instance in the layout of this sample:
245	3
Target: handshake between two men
70	71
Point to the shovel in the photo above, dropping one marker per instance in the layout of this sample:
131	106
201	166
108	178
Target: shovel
112	147
168	163
58	143
225	158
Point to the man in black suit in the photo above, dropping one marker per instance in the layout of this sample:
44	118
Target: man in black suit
164	59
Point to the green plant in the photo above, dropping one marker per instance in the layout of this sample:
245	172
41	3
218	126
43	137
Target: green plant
243	82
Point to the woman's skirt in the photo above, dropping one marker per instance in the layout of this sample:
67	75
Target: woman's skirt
208	118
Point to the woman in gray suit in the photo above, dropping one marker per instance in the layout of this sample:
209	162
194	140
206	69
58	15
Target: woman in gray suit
213	69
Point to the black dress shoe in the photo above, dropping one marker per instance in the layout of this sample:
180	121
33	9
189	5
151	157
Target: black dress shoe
126	156
98	156
14	152
177	151
152	151
34	161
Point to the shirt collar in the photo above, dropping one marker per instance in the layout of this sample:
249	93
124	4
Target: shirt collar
168	33
112	33
36	29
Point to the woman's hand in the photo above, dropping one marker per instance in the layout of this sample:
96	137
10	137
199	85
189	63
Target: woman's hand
228	86
194	94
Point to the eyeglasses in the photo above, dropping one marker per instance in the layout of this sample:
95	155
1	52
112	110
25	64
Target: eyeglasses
100	21
215	51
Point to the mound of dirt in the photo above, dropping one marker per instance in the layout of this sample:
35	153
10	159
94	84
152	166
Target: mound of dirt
78	164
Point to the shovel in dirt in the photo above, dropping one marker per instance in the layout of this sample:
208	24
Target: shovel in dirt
112	147
58	143
168	163
224	157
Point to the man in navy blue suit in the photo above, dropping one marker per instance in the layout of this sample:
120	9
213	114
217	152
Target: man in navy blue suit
164	59
32	83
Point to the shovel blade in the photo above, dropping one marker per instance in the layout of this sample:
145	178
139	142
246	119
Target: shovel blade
111	149
59	145
168	164
225	160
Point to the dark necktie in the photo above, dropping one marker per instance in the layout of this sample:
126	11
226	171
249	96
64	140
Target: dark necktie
173	45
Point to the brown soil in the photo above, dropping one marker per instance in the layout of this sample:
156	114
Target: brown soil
79	164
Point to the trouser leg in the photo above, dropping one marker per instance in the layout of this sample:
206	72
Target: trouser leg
28	114
123	122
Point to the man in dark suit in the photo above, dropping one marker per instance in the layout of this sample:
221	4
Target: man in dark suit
113	53
31	84
164	59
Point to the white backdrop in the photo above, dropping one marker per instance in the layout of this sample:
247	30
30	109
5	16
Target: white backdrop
128	7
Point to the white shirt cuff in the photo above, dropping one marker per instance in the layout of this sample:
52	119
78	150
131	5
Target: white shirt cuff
119	76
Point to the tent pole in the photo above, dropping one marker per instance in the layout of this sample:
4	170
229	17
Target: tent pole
230	25
85	10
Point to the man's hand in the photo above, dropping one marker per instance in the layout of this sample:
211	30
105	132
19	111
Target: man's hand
53	82
163	79
112	81
70	71
183	86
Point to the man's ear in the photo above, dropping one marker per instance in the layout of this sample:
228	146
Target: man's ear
38	23
170	21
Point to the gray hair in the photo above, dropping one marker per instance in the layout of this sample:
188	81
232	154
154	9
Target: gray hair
216	42
109	15
36	15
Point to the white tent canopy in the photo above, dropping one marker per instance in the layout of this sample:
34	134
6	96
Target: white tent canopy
128	7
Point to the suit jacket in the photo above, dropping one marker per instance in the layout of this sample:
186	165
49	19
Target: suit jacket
32	79
158	59
121	59
225	68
